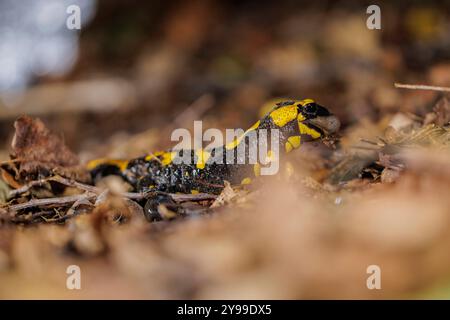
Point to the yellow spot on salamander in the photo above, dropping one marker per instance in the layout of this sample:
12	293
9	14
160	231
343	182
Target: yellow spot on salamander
202	158
253	127
154	156
283	115
121	164
194	191
272	104
257	169
292	143
295	141
165	158
233	144
246	181
306	101
304	129
288	147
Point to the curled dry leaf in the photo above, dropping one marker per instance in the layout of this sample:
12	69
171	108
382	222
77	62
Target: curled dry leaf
226	196
38	151
34	142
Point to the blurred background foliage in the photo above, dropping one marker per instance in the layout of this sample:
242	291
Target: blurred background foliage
137	65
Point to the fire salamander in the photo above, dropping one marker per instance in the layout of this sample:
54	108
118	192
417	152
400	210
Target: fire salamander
297	121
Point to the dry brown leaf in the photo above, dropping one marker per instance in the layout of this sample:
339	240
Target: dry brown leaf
226	196
38	151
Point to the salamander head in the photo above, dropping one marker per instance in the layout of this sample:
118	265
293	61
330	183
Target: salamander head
313	119
317	117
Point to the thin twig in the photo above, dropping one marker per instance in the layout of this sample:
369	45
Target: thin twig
192	197
25	188
101	197
90	194
9	161
99	191
134	195
71	183
76	184
369	142
421	87
365	148
51	201
383	141
59	179
178	197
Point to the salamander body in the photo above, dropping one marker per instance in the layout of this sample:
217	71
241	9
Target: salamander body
205	170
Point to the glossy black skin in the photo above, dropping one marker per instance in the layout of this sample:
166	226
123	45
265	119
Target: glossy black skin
314	110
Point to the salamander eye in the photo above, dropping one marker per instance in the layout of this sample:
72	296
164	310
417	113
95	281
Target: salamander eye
310	108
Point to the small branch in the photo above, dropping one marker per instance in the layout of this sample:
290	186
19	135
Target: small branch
2	163
99	191
92	193
369	142
51	201
421	87
72	183
25	188
134	195
192	197
101	197
76	184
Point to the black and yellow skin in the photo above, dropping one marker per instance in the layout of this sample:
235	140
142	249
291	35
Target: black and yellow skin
297	122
